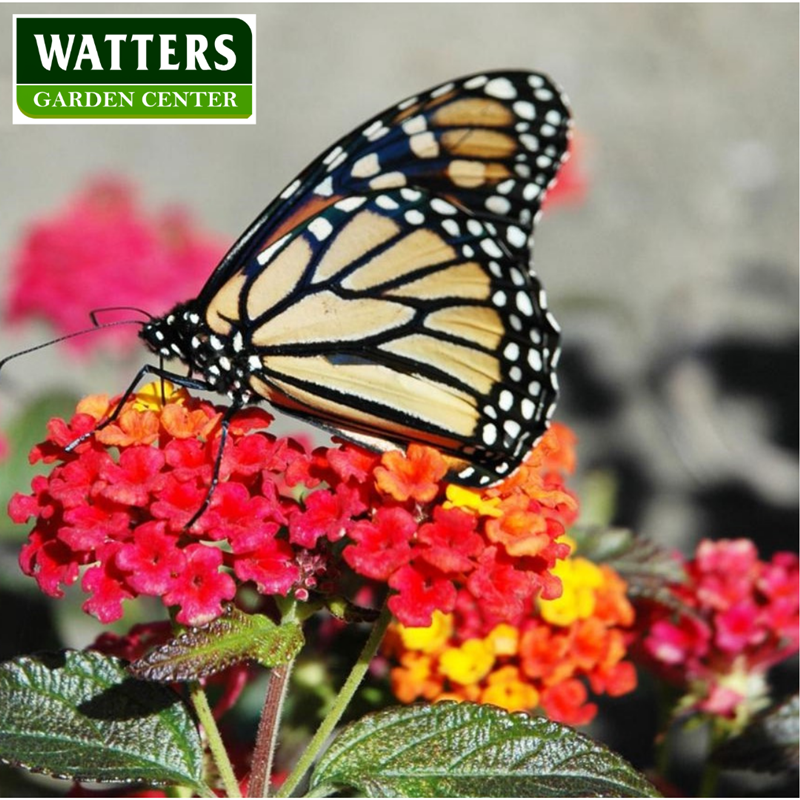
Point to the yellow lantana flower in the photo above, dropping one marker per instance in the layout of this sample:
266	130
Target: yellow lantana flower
580	579
467	664
430	639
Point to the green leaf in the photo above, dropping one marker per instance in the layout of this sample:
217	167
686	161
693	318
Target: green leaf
768	744
468	750
80	715
228	640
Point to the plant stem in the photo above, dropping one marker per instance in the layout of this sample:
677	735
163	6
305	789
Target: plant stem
215	745
710	776
261	769
345	696
708	780
663	738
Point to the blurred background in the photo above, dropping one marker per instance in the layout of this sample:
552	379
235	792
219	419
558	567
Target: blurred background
670	255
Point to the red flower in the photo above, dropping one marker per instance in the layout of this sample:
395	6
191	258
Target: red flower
153	559
200	588
281	517
566	703
383	545
105	584
327	514
421	591
272	566
452	542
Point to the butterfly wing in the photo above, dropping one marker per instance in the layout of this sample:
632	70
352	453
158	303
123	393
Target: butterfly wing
492	143
387	291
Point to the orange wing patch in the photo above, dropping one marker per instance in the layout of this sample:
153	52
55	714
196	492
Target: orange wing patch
474	111
363	233
279	279
481	325
478	142
432	403
324	316
475	369
422	248
464	280
225	305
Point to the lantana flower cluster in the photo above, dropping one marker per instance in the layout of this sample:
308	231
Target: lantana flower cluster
542	658
119	512
60	270
740	618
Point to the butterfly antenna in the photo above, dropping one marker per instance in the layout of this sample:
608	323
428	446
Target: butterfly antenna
93	314
95	327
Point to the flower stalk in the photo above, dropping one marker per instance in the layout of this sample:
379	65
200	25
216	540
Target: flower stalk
267	737
215	743
343	699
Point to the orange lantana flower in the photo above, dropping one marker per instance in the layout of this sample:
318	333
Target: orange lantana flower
411	475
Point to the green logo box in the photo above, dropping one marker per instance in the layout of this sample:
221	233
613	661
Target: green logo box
134	68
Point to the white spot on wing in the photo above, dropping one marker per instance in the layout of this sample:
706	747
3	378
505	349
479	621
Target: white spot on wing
516	236
366	167
334	154
476	82
386	202
524	109
424	145
415	125
444	89
442	206
489	246
451	226
350	203
266	254
325	189
389	180
502	88
498	205
290	189
321	228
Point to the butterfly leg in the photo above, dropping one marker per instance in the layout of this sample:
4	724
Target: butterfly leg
147	369
223	438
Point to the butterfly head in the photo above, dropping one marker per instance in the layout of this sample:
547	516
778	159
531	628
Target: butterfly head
219	361
170	336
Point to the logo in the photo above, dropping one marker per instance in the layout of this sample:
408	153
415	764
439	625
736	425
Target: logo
134	68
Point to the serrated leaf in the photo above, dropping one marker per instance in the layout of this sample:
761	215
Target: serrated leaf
768	744
80	715
469	750
230	639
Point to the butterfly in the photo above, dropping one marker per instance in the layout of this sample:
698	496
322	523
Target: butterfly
386	294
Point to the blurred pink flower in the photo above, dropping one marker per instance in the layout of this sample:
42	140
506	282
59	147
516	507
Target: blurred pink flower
741	619
103	249
572	186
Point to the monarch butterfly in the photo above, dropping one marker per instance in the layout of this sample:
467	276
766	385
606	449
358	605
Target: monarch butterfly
386	293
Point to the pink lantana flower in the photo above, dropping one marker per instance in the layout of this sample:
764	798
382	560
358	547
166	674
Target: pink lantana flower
60	272
741	618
